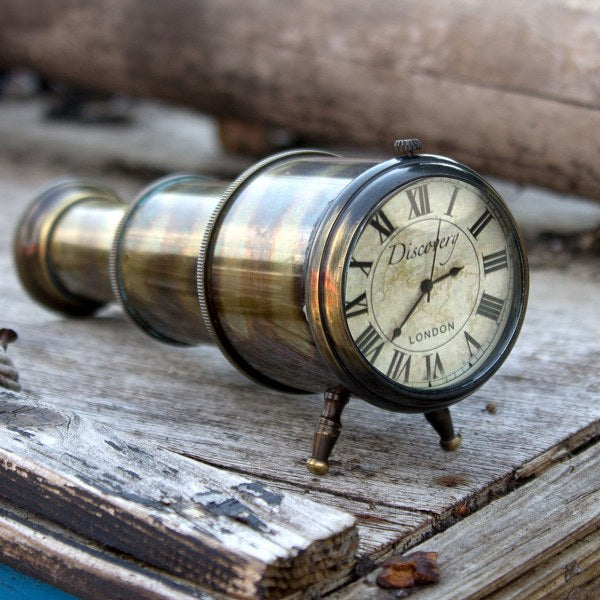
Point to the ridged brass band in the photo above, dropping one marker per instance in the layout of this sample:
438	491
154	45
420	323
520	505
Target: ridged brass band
34	236
116	264
314	287
209	314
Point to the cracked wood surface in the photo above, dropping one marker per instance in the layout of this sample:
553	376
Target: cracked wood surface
388	469
202	524
550	524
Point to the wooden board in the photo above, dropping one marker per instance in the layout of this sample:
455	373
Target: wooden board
193	402
43	549
167	510
495	552
511	88
573	573
388	469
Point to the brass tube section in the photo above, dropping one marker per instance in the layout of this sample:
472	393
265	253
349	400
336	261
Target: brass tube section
258	267
80	247
193	258
155	254
64	242
62	245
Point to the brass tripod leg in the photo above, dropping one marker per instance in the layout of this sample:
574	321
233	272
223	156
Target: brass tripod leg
441	421
328	430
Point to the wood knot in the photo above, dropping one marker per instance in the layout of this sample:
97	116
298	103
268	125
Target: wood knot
25	417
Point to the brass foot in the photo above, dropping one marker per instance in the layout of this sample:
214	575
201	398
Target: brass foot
328	430
441	421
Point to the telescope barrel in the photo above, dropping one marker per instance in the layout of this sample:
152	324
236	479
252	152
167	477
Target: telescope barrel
194	259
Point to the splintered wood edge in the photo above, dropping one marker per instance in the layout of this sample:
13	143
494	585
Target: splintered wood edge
78	566
168	510
545	460
506	540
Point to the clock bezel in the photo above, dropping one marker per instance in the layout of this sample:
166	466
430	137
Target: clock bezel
325	289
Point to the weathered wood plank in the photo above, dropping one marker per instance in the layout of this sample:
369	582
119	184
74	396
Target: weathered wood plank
215	415
573	573
189	519
505	541
380	526
76	565
511	87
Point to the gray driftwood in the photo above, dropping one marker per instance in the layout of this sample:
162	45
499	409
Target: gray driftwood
540	541
512	87
227	532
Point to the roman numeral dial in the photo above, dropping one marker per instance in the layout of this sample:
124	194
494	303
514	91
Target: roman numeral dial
490	307
419	201
399	367
363	265
431	281
481	223
383	225
450	208
370	343
357	306
472	344
495	261
433	366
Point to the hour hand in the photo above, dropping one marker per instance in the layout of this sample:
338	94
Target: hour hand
426	287
453	272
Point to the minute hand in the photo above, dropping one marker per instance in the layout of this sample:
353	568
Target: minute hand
398	330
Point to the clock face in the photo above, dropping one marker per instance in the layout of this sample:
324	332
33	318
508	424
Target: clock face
428	290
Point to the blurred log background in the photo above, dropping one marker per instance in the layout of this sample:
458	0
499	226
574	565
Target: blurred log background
511	88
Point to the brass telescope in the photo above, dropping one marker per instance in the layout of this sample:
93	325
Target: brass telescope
258	267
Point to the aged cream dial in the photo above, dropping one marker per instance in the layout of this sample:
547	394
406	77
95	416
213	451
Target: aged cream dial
430	283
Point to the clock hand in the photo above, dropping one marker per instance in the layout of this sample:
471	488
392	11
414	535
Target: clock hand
437	242
398	329
426	287
453	272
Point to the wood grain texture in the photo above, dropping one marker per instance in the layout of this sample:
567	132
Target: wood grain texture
46	551
388	469
169	511
573	573
508	539
192	402
512	88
